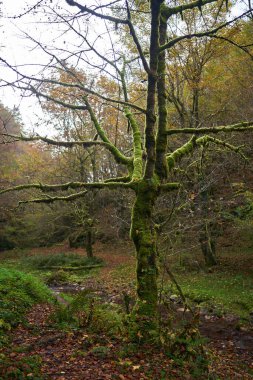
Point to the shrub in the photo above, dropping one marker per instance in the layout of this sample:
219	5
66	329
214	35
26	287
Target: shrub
86	311
60	260
5	243
57	278
21	369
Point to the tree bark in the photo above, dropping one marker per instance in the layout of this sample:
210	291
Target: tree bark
207	244
144	238
88	245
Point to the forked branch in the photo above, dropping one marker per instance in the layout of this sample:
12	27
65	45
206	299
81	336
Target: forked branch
208	33
193	143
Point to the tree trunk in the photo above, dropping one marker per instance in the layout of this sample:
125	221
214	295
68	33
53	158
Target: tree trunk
144	238
207	244
206	235
88	245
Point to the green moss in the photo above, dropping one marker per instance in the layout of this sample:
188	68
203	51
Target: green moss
161	138
138	151
144	237
176	156
171	162
207	139
119	157
18	292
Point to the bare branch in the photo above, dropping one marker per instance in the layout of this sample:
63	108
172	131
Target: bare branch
243	48
26	12
86	90
65	144
84	9
209	33
70	144
136	41
117	21
170	11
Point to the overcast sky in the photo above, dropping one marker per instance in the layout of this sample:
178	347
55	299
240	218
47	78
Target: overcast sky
18	50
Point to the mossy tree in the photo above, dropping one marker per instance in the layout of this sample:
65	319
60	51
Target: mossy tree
84	233
148	164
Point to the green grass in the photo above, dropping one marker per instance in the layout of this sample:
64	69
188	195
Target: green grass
229	288
37	265
18	292
233	293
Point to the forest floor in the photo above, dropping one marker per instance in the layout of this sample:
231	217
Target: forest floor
40	349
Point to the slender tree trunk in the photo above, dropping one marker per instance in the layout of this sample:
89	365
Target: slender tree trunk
144	238
207	244
94	167
206	236
88	245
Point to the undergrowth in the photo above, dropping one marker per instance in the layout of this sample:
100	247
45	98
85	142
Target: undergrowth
219	293
24	368
86	311
18	292
59	260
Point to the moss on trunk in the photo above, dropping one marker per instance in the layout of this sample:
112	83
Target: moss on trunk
144	238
